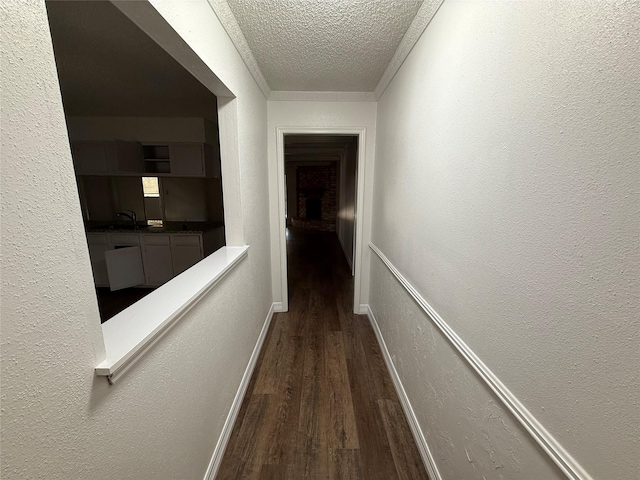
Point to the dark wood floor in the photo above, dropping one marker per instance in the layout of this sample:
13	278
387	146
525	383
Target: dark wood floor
321	403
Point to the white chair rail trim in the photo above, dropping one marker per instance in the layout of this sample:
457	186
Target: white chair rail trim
561	457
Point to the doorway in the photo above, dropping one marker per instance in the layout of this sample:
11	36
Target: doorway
319	173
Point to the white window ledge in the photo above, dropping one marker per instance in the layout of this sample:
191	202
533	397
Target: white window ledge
131	332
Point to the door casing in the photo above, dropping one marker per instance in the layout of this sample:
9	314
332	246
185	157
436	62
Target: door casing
360	132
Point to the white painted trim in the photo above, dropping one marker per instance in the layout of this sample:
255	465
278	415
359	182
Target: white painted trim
150	21
277	307
228	131
421	442
223	440
557	453
282	221
425	14
302	96
282	227
230	24
129	334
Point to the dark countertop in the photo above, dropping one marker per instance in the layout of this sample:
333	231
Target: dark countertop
169	227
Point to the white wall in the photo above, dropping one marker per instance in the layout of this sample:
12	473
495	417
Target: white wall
506	192
163	417
320	115
346	211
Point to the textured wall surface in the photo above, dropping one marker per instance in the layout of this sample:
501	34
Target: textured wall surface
331	45
164	416
320	115
470	433
506	192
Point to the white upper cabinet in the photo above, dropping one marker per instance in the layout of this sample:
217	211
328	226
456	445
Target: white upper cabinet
128	157
187	159
107	157
117	157
90	158
181	160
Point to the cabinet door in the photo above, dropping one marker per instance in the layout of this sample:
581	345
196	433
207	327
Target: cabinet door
187	159
97	247
184	257
129	157
157	264
124	267
90	158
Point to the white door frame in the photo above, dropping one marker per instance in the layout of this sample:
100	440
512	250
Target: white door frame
282	227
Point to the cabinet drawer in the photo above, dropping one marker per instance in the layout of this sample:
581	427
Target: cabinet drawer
184	239
124	238
156	239
97	238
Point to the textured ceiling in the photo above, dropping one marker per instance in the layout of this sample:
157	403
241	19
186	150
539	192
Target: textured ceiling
330	45
107	66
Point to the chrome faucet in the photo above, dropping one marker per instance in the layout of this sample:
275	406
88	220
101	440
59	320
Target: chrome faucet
131	217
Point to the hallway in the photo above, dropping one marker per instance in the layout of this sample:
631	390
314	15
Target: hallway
321	403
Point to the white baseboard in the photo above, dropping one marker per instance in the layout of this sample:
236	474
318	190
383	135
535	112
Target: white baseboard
556	452
221	446
421	442
277	307
363	309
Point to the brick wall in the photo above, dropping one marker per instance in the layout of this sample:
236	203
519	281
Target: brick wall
317	182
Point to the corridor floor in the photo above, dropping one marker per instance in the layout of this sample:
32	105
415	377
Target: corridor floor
321	404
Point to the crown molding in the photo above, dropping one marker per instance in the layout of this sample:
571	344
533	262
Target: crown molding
230	24
304	96
425	14
228	20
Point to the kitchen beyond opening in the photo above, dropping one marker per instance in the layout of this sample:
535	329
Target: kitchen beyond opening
144	139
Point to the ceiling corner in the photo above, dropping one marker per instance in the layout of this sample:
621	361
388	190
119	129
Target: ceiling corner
230	24
425	14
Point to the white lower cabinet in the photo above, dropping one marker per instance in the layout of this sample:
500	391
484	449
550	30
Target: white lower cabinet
184	257
158	267
155	260
186	251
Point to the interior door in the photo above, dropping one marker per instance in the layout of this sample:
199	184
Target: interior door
124	267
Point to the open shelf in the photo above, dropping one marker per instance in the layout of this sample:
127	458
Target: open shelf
156	159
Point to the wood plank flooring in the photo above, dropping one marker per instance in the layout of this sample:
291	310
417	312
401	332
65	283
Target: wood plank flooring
320	404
